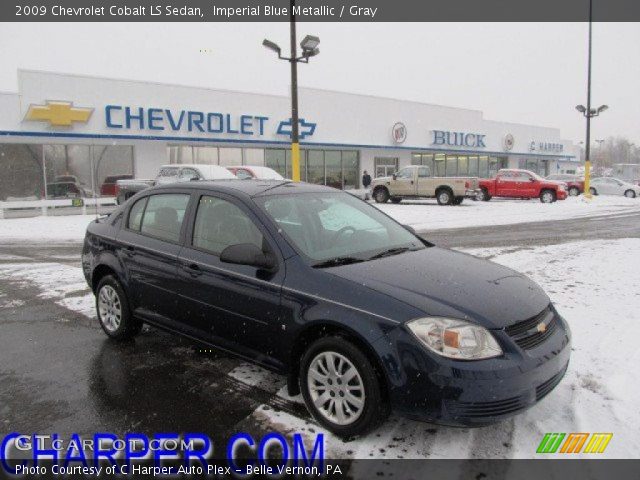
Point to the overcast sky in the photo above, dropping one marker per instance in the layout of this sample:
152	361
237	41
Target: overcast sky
527	73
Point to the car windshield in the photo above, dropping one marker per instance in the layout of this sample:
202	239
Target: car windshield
337	227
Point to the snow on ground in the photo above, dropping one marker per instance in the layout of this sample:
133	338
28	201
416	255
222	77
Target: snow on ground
594	284
422	215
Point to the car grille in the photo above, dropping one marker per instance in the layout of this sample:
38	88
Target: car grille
526	333
485	409
545	387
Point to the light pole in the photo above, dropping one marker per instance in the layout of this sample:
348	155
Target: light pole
309	45
589	113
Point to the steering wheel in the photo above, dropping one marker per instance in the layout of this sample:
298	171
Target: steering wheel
342	231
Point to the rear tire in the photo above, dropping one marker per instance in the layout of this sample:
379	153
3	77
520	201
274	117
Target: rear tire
381	195
547	196
444	196
347	407
630	194
113	310
396	199
593	191
574	191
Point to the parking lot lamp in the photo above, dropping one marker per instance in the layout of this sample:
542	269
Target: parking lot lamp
310	49
589	113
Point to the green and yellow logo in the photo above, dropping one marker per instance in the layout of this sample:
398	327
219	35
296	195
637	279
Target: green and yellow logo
574	442
59	114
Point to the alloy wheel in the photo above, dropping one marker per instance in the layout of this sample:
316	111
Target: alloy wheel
336	388
110	308
547	197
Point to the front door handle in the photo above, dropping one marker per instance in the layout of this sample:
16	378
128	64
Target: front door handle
192	269
129	251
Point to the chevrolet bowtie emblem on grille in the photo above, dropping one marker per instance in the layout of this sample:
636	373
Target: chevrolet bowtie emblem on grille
541	327
59	114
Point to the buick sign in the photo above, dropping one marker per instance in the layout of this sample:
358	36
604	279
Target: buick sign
399	132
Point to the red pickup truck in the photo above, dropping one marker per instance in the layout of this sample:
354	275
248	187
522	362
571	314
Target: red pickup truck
514	183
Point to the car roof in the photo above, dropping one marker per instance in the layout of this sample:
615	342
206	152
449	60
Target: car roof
250	188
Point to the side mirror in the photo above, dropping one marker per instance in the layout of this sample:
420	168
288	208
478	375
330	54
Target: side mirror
532	180
248	254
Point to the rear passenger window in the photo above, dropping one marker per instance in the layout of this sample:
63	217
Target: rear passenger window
135	214
164	215
220	224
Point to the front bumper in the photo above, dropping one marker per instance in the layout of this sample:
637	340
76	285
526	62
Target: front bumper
472	193
561	194
427	387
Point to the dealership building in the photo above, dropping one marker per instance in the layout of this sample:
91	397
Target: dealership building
60	129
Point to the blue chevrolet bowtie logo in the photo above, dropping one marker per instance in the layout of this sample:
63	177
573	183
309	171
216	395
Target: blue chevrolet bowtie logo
306	128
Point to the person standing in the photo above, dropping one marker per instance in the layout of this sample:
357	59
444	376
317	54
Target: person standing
366	183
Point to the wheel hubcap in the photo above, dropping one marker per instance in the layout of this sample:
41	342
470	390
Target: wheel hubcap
336	388
444	198
547	197
109	308
629	193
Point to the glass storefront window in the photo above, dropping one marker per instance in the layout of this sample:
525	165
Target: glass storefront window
473	166
463	166
315	166
385	166
207	155
439	164
230	156
483	166
452	166
333	168
351	170
275	159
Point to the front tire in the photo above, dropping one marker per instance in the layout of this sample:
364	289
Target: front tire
444	197
547	196
484	195
340	387
593	191
381	195
113	310
574	191
630	194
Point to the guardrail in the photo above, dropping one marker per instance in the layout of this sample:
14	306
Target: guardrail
44	205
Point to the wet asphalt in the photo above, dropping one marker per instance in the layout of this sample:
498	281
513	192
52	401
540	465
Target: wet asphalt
59	372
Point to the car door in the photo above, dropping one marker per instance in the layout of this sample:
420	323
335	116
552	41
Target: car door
528	186
608	187
426	186
404	183
150	241
505	185
234	306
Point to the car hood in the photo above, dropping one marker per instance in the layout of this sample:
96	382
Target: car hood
441	282
382	179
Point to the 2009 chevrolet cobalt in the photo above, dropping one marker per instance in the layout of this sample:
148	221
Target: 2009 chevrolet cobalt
361	314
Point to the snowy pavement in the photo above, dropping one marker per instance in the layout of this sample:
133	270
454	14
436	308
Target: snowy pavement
595	285
427	215
423	215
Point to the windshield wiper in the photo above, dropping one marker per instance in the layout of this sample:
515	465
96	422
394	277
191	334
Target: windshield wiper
389	252
337	261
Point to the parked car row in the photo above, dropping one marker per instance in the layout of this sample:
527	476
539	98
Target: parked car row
127	188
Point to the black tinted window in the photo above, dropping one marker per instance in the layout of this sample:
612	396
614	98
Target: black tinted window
220	224
163	216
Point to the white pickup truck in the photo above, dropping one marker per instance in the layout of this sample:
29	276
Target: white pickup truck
416	181
125	189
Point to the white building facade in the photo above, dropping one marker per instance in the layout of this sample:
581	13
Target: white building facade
60	129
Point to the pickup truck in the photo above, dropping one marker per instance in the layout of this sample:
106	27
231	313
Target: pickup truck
416	182
125	189
515	183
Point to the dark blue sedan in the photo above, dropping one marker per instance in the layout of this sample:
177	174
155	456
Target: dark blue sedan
362	315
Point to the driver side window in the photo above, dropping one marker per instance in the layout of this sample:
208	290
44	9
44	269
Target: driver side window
405	173
220	223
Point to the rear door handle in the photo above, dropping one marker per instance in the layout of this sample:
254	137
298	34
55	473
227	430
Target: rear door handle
192	269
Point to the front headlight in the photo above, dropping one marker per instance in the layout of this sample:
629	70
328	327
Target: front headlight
454	338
